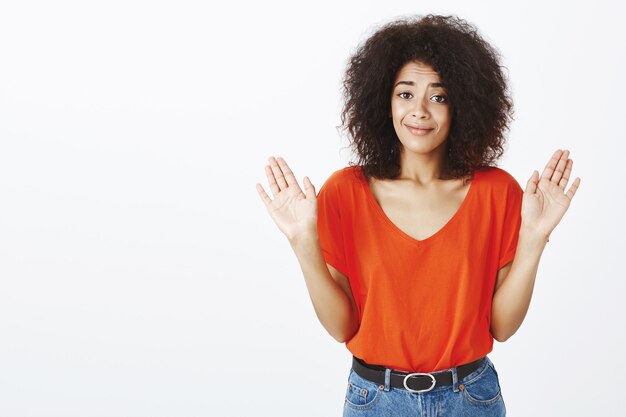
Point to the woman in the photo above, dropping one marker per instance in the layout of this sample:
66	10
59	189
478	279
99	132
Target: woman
423	252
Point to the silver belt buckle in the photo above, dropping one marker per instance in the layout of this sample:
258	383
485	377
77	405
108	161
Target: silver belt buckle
419	390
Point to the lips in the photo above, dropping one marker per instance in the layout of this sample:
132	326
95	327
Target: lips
420	127
420	130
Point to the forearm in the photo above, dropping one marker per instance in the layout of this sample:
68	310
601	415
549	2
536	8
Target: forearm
332	305
511	300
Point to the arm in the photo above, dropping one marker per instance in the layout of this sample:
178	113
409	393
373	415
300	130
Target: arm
543	205
330	292
295	214
514	287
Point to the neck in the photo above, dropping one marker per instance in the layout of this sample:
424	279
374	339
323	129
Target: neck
422	168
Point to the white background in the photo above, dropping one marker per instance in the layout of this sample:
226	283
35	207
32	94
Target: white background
140	274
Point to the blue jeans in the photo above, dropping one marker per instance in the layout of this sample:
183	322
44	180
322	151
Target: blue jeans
477	394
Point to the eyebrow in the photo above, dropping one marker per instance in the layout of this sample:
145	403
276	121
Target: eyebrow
411	83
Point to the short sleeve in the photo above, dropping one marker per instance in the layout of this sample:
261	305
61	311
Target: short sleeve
511	223
329	226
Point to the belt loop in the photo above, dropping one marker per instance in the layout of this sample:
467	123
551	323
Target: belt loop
387	378
455	380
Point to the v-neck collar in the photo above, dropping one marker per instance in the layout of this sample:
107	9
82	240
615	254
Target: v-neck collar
459	212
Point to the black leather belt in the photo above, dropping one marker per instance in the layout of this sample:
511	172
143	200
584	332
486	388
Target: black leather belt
415	381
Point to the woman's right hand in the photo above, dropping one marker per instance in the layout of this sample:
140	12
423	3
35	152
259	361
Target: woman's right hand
293	211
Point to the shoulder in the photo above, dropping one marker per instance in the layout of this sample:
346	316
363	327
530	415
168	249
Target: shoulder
341	184
344	177
498	177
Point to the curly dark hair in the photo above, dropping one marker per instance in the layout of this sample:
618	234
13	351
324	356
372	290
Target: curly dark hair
481	106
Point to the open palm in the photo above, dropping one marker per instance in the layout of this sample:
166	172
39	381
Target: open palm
545	201
293	211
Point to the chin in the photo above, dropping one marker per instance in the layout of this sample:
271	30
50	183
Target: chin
421	149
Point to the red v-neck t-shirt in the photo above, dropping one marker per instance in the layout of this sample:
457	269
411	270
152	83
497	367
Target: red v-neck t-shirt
424	305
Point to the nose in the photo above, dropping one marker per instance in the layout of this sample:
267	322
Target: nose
420	110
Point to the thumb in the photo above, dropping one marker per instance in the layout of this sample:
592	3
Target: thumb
309	189
531	185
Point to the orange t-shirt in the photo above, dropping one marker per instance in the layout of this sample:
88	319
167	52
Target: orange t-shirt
423	305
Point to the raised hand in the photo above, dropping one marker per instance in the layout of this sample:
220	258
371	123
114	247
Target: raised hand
294	212
545	200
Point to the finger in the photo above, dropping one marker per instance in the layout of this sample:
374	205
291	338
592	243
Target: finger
560	167
272	181
308	188
266	198
572	189
566	174
291	179
278	174
531	185
551	165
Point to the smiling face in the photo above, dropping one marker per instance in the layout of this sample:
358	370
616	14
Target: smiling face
420	110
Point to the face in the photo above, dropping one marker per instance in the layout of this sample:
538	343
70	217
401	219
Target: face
420	110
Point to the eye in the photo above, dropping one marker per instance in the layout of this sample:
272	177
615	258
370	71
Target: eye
404	92
439	98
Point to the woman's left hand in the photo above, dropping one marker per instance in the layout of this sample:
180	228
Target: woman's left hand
545	201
